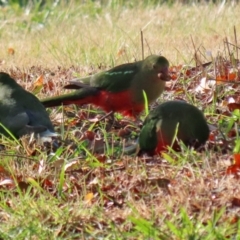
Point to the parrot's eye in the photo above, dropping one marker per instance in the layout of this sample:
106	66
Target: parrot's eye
154	66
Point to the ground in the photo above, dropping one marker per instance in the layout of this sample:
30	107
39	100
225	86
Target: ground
90	187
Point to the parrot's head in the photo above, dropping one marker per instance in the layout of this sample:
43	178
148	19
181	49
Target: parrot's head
5	79
160	66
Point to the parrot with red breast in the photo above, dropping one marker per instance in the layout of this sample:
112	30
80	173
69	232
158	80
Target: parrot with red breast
172	118
119	89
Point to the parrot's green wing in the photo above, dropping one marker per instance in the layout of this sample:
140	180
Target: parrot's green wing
20	111
148	135
116	79
170	118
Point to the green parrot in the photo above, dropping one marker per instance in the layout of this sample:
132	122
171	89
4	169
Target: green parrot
20	111
119	89
161	124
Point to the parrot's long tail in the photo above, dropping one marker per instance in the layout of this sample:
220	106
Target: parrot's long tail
79	97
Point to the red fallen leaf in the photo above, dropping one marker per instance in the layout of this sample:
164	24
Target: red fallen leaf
73	122
234	219
233	106
232	76
108	187
237	159
101	158
89	135
188	173
212	136
188	72
38	82
228	76
47	183
174	76
221	78
236	202
123	132
235	168
232	133
38	85
175	71
49	86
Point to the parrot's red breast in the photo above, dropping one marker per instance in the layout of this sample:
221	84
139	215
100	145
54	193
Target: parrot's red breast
108	101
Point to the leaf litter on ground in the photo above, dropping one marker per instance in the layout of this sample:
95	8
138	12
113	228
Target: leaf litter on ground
97	170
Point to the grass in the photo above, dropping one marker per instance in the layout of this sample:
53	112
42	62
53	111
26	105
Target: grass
90	35
90	189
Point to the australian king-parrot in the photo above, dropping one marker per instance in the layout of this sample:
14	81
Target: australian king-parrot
20	111
172	117
119	89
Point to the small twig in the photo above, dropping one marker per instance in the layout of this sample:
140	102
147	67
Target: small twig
235	35
202	54
195	51
225	52
106	115
231	44
142	44
204	65
149	49
228	48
